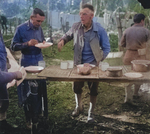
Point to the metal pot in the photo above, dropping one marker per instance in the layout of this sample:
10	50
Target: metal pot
140	65
114	71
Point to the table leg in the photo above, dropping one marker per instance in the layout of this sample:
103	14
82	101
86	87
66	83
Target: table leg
44	95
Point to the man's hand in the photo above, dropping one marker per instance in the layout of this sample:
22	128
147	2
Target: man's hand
19	75
44	42
60	45
32	42
12	83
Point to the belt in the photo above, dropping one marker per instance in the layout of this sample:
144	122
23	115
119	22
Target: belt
31	56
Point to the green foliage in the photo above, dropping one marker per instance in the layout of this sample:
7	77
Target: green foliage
15	115
65	54
113	4
100	9
32	2
7	40
133	4
113	39
60	99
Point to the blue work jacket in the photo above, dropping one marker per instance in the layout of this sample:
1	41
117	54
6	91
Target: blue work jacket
3	54
24	33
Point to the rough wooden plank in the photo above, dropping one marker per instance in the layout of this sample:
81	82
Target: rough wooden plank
33	76
93	75
55	72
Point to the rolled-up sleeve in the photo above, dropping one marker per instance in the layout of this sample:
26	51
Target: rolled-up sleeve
68	36
6	77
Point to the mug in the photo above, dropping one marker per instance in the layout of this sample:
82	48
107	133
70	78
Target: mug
64	65
104	66
70	64
41	63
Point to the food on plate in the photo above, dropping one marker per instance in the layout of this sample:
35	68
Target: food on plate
85	69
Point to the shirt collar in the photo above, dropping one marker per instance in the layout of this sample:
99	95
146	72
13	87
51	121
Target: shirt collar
85	30
30	26
94	26
137	25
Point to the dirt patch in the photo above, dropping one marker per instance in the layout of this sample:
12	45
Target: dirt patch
113	116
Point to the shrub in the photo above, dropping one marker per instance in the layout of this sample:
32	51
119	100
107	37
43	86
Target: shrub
113	39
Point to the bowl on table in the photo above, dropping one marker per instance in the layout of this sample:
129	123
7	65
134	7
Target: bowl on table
34	69
114	71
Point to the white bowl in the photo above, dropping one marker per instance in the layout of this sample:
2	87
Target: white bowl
34	69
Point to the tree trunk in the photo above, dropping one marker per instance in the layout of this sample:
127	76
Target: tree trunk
119	26
48	12
95	7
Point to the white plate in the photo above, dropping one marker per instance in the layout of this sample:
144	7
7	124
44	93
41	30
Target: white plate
81	65
41	45
34	69
133	75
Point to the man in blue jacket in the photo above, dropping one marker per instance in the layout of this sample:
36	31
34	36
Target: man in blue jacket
27	35
91	45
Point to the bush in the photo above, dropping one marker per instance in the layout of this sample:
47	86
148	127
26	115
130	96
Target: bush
7	40
113	39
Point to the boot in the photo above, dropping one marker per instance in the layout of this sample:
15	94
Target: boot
2	116
90	118
79	107
136	89
29	125
6	127
28	115
129	93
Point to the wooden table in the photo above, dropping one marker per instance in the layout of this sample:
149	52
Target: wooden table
54	73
